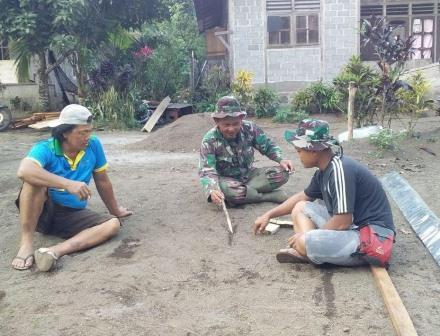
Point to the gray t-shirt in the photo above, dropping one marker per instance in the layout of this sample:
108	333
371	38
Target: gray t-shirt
346	186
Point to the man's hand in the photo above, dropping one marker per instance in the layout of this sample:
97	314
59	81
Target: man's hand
287	165
217	197
261	223
122	212
80	189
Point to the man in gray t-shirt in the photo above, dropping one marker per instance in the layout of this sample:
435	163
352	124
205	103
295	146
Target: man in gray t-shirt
353	197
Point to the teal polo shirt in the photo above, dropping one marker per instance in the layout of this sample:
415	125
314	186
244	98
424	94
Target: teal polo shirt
49	155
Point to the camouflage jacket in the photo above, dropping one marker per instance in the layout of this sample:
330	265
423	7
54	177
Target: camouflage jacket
220	157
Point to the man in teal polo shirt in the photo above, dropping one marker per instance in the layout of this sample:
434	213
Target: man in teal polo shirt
55	174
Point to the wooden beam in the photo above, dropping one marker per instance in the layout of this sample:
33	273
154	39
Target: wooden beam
220	34
399	316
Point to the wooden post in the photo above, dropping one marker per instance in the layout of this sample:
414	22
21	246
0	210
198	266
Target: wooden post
351	95
192	73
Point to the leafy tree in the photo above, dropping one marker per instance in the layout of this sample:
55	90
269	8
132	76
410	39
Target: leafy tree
167	70
31	27
74	28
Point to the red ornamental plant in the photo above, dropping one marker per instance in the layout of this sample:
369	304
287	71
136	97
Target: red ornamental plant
143	53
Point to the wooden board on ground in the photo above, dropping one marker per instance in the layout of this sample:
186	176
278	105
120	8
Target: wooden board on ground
271	229
156	115
42	124
399	315
423	221
282	223
34	119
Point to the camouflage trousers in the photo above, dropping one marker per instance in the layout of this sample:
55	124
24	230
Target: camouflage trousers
262	180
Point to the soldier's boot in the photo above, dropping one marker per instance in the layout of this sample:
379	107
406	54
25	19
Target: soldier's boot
253	196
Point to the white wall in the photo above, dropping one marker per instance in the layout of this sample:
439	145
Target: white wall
339	40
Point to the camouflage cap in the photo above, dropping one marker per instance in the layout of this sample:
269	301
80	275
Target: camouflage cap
228	106
312	135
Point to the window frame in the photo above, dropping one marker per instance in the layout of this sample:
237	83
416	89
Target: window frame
293	31
280	45
423	33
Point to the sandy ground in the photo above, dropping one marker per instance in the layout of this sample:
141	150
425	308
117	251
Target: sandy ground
173	271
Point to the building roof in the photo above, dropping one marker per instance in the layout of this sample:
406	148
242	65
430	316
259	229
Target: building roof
210	13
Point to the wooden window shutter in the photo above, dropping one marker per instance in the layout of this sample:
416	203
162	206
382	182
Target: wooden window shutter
376	10
424	8
307	5
279	5
400	9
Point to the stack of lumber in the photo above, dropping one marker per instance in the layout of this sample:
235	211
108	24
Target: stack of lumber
35	118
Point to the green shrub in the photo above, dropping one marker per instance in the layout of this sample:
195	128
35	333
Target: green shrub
242	89
214	85
115	108
318	98
286	115
302	99
387	139
266	102
415	102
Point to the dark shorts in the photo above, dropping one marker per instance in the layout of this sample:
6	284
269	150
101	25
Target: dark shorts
65	222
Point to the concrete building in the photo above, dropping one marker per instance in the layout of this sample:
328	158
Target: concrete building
289	43
27	92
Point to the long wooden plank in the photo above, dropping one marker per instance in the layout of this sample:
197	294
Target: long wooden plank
399	315
156	115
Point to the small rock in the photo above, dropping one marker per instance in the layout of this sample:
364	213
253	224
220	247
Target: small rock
346	330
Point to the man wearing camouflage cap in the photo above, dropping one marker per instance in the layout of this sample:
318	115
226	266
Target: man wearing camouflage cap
226	160
353	198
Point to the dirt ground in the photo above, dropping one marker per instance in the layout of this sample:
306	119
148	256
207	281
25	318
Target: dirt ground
173	271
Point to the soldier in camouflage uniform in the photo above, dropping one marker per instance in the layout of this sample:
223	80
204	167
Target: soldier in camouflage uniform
226	160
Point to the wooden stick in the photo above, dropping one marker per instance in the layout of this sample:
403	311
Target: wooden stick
399	316
228	219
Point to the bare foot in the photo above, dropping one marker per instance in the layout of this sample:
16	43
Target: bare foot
24	259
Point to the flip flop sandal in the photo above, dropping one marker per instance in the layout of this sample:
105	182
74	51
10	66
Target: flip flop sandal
291	256
25	259
45	259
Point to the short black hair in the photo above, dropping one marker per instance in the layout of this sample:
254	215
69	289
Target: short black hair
58	132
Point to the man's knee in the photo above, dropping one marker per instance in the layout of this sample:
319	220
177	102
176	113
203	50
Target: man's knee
298	208
234	191
112	227
37	193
